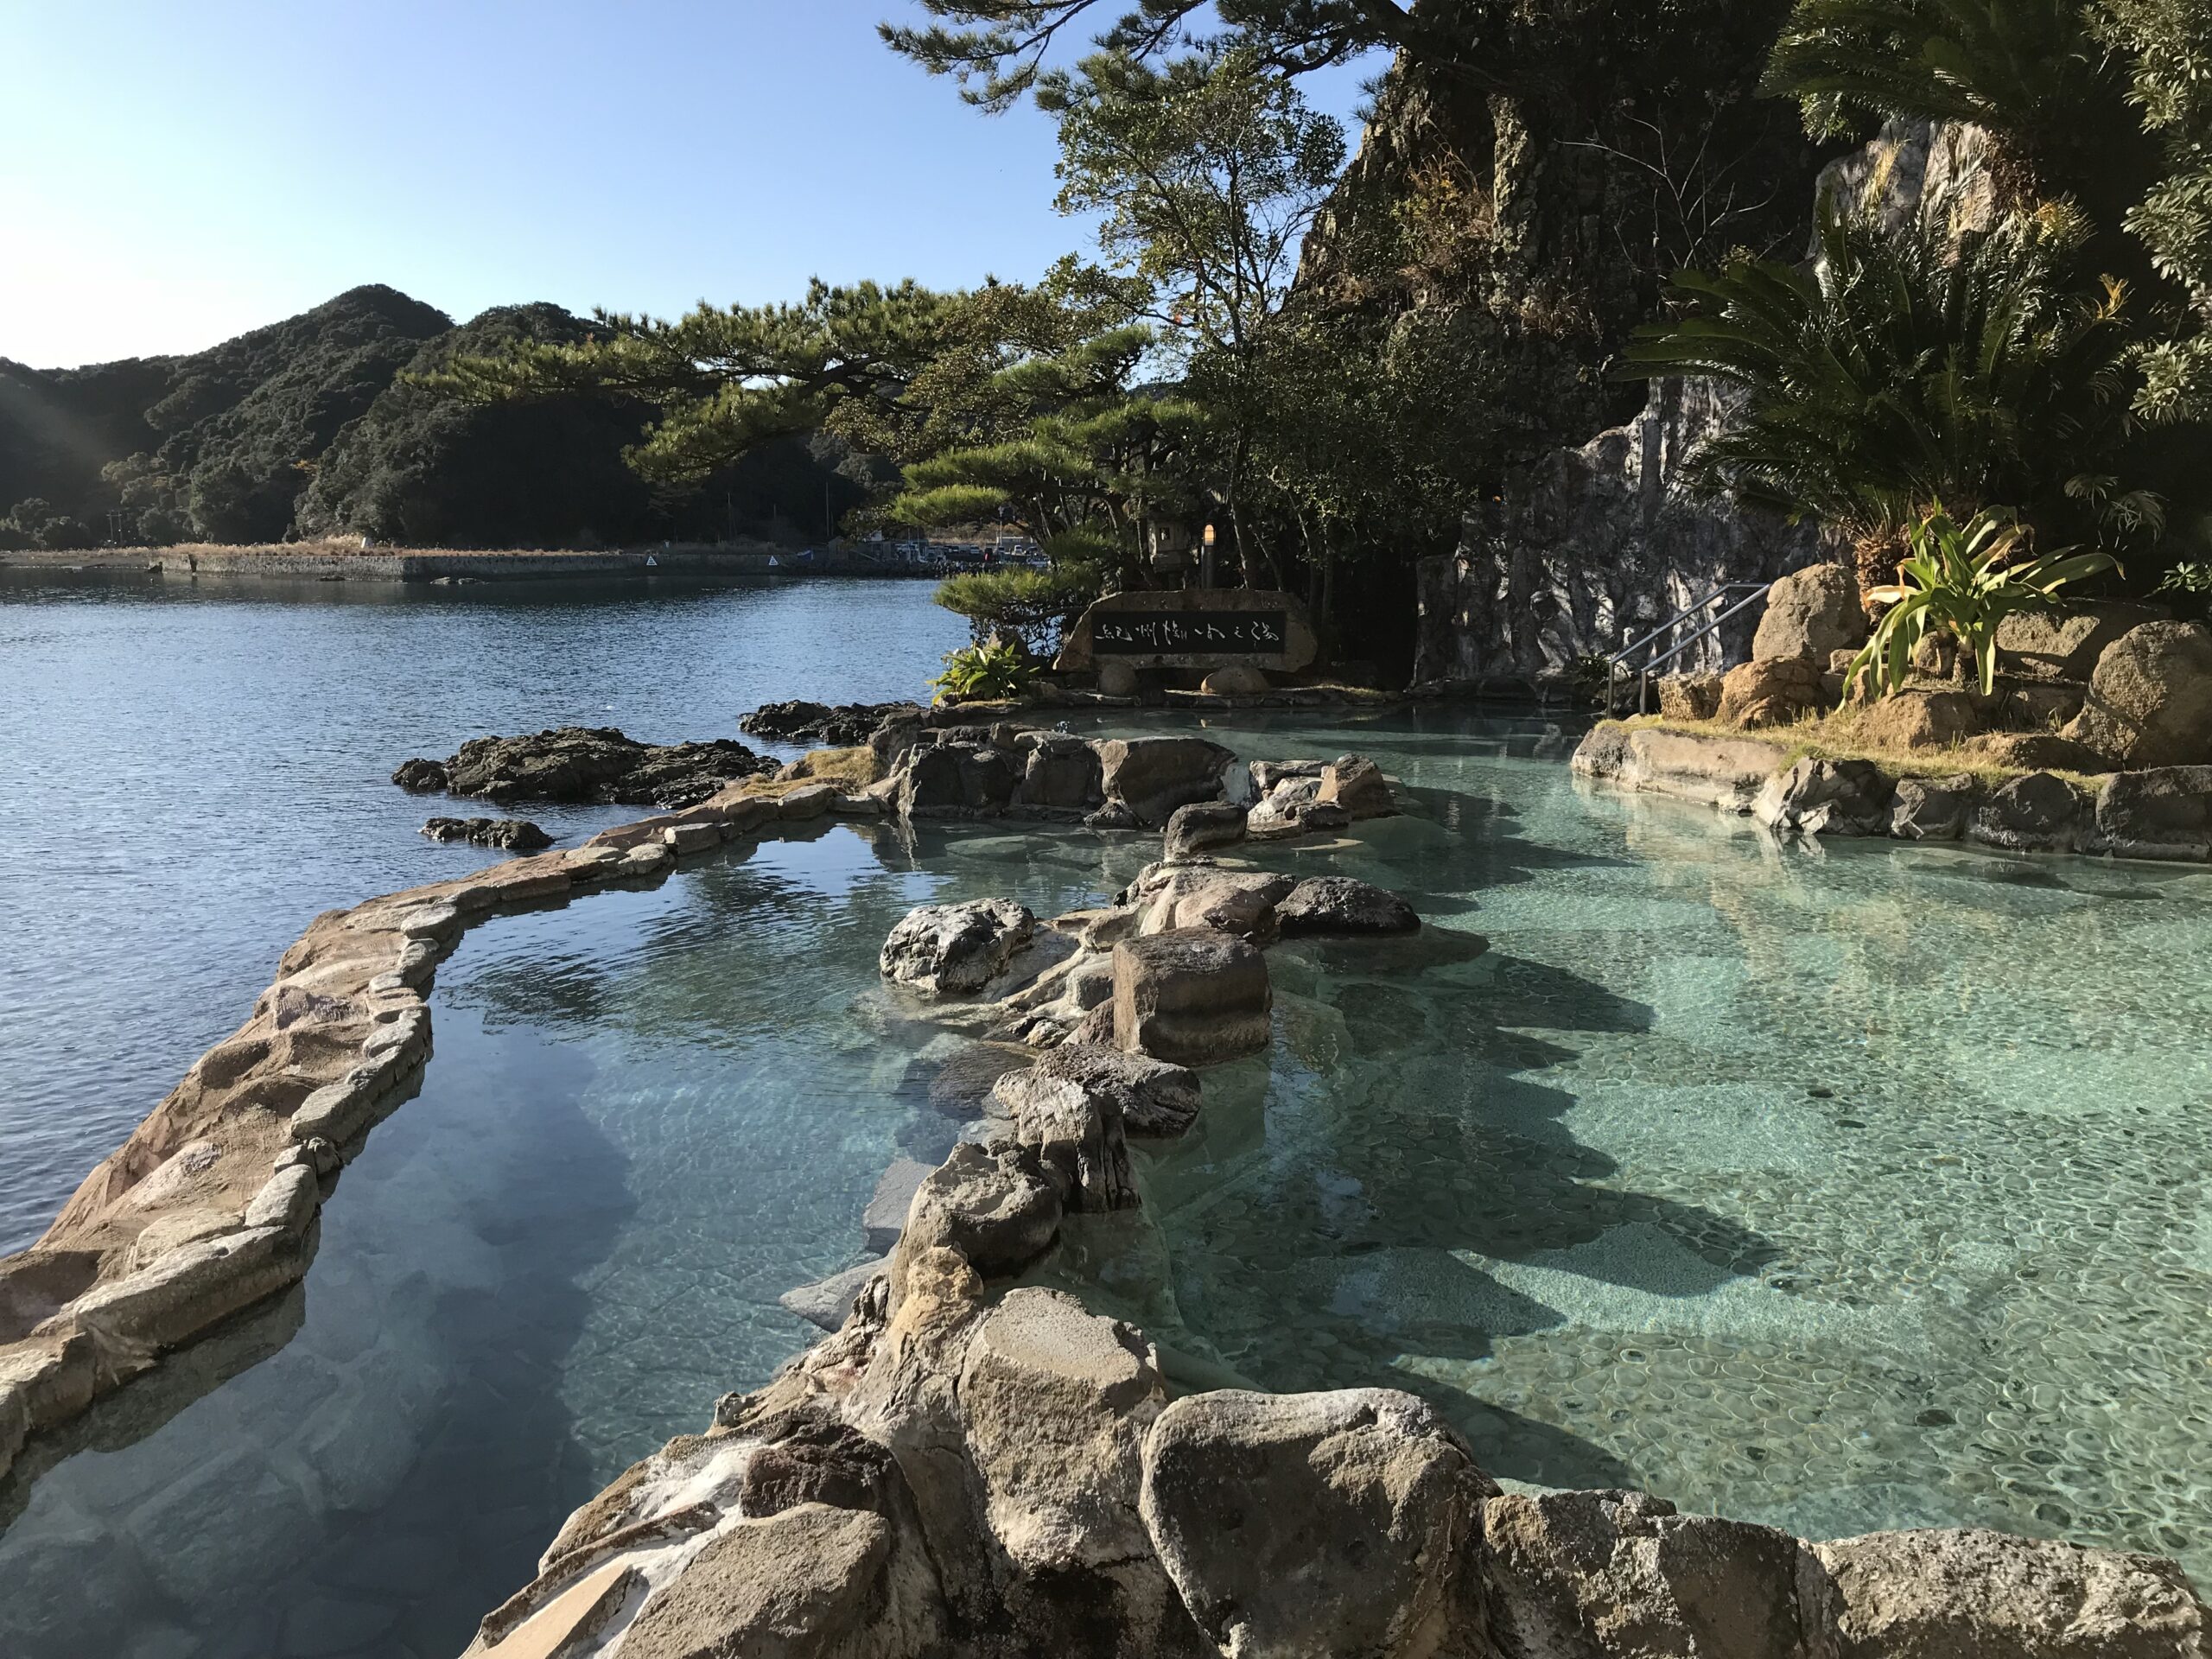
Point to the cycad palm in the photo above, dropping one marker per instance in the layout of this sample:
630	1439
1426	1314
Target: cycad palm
1900	371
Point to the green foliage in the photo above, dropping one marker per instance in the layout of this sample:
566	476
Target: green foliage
997	48
2026	69
2169	45
428	470
235	429
725	380
1203	176
1899	372
2054	80
1037	605
1963	580
1092	462
991	672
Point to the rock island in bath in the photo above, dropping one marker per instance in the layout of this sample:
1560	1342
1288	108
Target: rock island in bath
1399	846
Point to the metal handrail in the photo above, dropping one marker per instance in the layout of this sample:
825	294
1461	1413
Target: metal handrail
1753	591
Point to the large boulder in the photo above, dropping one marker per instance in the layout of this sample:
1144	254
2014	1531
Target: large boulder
1689	696
2034	813
1339	904
1293	806
1057	1402
828	1583
1620	1575
1970	1594
1150	777
2165	812
1772	692
1193	997
2149	702
1157	1100
1357	785
2063	645
1061	774
1912	719
1933	809
1199	893
1204	826
1811	615
1314	1526
1076	1134
990	1202
1827	798
956	950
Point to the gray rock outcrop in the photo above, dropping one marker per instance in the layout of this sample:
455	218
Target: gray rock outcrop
1157	1100
579	763
1595	545
1150	777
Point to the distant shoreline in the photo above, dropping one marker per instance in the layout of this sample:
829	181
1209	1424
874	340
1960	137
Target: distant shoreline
348	561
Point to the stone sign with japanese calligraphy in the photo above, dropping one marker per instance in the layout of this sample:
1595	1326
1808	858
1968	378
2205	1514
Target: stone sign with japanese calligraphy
1193	628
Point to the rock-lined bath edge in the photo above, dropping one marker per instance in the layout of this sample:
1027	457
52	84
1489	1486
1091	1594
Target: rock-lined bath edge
2161	813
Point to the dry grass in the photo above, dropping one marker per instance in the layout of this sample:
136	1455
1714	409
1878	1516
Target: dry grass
1836	735
854	768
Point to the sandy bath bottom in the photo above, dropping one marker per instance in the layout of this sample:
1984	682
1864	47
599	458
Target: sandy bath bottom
1838	1190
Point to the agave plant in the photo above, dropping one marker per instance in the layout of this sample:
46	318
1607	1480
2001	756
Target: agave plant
1962	580
990	672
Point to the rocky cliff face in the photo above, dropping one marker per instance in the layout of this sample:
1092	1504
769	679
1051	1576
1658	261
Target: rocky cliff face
1589	547
1595	545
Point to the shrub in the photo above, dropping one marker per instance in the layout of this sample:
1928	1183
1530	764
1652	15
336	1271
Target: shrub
1962	580
986	673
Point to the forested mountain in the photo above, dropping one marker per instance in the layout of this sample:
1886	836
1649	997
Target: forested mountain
307	427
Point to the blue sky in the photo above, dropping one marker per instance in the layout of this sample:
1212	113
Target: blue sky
180	173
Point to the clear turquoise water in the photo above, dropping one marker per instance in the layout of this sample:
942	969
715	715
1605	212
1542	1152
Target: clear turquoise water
1839	1189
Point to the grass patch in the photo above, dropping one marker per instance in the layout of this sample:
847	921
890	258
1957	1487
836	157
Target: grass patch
1836	735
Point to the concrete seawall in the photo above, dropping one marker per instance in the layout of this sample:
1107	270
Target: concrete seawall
326	562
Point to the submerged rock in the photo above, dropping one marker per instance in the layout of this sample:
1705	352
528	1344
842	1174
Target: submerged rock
956	950
577	763
517	835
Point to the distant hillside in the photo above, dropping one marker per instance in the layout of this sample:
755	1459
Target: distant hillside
304	428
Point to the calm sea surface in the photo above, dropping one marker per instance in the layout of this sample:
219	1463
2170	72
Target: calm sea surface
194	770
